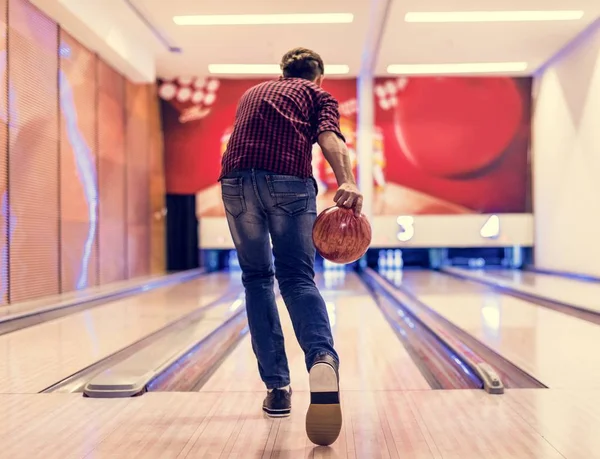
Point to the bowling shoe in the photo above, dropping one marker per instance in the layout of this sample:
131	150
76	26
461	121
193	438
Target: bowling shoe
278	403
324	416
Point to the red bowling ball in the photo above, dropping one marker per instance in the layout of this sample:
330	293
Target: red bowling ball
340	236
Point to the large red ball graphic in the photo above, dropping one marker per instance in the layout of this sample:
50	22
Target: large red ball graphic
451	127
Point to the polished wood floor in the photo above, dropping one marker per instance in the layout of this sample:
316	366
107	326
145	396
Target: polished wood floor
578	293
377	424
559	350
388	411
52	301
371	354
34	358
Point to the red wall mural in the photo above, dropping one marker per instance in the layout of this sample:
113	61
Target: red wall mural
441	145
452	145
198	116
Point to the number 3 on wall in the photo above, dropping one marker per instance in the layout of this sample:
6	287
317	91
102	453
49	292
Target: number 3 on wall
406	229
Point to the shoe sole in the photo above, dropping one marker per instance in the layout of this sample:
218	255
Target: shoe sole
324	416
284	413
277	415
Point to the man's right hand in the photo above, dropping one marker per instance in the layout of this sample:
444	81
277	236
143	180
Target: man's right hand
350	197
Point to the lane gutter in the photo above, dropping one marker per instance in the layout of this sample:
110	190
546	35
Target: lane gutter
179	362
489	378
189	371
482	356
441	365
77	381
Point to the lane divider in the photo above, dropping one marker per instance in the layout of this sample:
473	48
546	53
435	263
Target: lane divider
565	274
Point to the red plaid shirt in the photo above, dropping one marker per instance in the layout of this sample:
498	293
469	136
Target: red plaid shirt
276	125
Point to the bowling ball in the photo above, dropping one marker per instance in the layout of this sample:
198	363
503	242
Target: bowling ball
340	236
453	127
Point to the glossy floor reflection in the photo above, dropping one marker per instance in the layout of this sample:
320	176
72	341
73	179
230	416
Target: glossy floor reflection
377	424
37	357
555	348
563	289
388	410
372	357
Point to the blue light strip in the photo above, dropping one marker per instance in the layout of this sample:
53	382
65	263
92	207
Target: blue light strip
568	48
12	221
86	166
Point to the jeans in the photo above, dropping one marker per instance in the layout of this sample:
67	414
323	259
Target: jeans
260	204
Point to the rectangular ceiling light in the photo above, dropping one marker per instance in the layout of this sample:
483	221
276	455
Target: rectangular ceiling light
264	19
494	16
266	69
455	69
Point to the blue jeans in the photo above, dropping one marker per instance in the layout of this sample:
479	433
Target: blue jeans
260	204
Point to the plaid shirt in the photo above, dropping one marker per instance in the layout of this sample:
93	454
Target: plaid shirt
276	124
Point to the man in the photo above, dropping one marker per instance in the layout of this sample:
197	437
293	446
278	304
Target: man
268	190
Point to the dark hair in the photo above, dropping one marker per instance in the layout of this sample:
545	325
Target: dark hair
302	63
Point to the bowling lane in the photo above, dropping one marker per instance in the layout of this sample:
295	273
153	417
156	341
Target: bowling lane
39	356
556	348
549	287
372	357
88	294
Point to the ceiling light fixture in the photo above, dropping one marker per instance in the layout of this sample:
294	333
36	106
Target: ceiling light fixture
451	69
264	19
266	69
494	16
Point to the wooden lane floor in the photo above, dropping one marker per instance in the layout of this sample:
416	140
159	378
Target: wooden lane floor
39	356
388	412
522	424
565	290
371	355
90	294
559	350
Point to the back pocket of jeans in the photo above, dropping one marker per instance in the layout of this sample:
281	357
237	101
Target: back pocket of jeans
232	192
289	193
